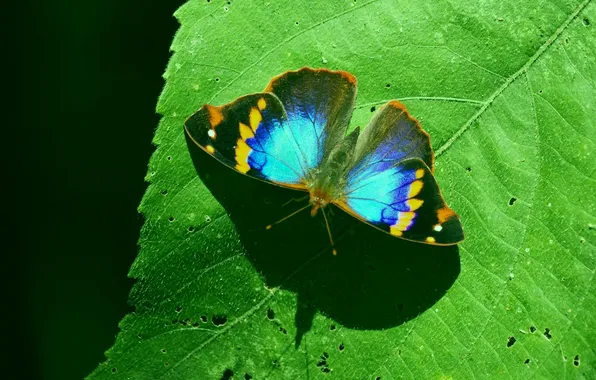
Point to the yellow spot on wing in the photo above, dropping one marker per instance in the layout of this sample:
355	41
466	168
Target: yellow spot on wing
419	173
215	115
404	220
254	118
414	204
242	152
415	188
262	104
430	239
395	231
245	131
210	149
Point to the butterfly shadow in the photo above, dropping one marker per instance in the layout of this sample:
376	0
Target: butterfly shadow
376	281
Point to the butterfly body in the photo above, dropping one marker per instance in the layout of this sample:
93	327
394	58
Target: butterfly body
294	135
327	183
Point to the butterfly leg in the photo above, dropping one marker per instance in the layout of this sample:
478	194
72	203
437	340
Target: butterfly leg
297	200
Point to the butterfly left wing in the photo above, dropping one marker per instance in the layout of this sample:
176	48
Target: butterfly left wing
282	134
251	135
390	182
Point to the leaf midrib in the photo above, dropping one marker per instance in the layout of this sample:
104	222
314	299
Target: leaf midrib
512	79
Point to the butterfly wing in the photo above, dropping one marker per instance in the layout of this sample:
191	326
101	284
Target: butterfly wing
279	135
319	105
391	136
252	136
391	186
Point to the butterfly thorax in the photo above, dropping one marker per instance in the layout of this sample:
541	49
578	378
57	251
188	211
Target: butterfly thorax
327	182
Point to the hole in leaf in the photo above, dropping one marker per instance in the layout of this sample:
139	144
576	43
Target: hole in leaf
373	109
114	370
270	314
576	361
511	341
281	329
227	375
171	218
532	329
169	158
322	364
203	319
226	9
341	347
527	361
388	85
547	333
512	201
163	350
178	309
586	22
275	362
468	169
217	80
166	364
191	229
332	327
196	324
297	22
582	240
219	320
164	192
247	376
378	378
540	91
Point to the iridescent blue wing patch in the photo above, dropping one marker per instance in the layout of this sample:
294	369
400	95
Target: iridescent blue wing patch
390	182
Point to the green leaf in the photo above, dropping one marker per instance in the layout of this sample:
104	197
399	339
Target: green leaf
507	92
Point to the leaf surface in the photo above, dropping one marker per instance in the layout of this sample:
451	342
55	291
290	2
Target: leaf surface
506	91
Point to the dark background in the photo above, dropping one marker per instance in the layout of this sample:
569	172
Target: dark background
89	75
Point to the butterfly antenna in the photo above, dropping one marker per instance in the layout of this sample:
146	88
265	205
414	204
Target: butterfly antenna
287	217
329	232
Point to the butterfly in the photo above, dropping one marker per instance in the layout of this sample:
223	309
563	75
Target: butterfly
293	134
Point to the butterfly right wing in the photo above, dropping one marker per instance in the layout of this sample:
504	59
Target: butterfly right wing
403	200
390	182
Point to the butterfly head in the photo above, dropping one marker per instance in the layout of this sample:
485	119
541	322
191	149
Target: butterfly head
318	200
